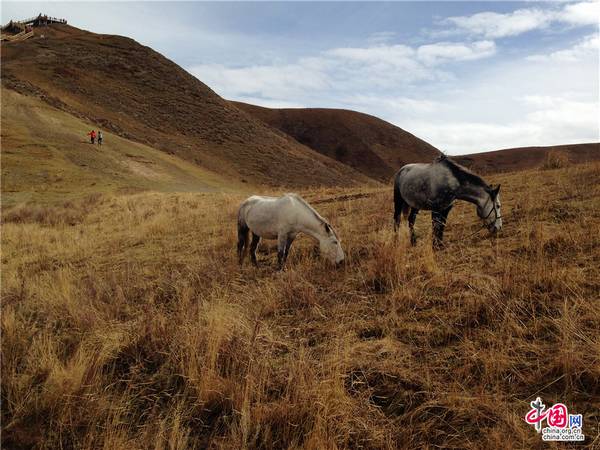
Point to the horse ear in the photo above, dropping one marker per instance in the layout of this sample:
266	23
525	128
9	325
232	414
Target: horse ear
496	191
327	227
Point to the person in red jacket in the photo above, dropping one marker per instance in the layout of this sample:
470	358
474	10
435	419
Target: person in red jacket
92	135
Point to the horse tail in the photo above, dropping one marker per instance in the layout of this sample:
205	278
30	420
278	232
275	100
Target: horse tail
243	238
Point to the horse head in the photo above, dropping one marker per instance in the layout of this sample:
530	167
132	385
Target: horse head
490	211
330	246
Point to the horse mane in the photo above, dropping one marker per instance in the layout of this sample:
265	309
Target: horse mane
463	174
310	208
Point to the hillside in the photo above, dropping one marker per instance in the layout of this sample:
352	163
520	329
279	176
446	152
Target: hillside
522	158
46	157
128	89
368	144
135	327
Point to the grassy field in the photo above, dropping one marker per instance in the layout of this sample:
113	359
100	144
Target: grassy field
126	323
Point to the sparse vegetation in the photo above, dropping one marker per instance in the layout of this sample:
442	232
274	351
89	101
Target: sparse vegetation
133	327
555	160
67	213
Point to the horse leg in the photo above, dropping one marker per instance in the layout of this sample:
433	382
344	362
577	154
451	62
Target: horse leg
438	222
242	245
288	244
282	243
399	206
412	218
253	247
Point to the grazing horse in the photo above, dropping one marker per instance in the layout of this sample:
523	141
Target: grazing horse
282	218
435	187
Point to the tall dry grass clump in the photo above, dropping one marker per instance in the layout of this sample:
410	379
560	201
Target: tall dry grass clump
133	327
68	213
555	159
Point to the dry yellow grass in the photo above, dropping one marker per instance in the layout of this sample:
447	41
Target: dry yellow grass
555	160
126	323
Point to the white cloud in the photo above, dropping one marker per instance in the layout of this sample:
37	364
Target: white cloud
584	13
433	54
564	113
536	121
586	48
270	81
461	137
393	54
560	121
392	105
384	65
530	104
340	70
405	57
494	25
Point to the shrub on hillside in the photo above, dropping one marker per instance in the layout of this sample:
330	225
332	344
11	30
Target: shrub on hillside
555	160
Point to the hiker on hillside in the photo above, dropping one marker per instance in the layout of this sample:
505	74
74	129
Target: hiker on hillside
99	137
92	135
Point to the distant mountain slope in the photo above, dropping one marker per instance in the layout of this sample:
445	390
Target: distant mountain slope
522	158
133	91
46	158
368	144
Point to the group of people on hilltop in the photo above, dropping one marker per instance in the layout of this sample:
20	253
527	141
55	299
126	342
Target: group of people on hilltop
93	136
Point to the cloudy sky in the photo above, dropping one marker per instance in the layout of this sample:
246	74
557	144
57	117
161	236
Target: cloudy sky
465	76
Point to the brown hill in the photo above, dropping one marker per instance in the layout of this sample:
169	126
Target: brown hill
522	158
368	144
136	93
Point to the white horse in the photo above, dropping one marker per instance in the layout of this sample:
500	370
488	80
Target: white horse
282	218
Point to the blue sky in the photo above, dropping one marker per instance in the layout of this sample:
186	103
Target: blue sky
465	76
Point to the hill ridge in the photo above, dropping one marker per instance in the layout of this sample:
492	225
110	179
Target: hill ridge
523	158
366	143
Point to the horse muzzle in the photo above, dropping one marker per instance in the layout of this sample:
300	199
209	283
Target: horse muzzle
494	229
